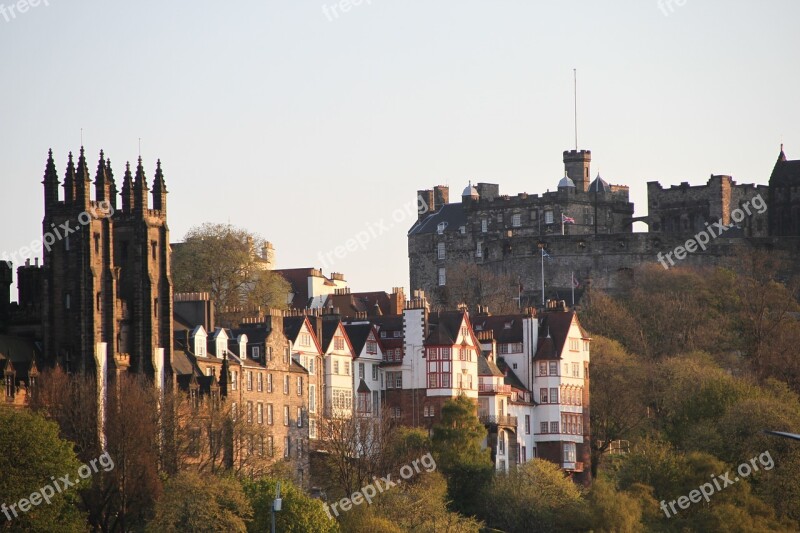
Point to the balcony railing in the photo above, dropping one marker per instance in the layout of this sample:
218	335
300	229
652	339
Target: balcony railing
491	387
499	420
575	466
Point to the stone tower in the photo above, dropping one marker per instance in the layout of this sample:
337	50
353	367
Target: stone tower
107	289
576	163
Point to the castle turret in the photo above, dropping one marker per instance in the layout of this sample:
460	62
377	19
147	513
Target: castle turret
83	183
127	190
576	164
69	182
159	191
50	182
140	190
102	181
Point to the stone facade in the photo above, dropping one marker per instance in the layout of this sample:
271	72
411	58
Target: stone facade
106	282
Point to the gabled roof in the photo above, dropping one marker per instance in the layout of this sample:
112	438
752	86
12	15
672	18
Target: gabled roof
298	279
785	172
553	331
329	329
452	215
358	334
293	325
363	387
360	302
444	327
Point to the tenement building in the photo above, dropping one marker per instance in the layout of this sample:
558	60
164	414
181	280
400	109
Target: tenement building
581	234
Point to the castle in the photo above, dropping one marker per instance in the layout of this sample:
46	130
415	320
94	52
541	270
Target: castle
585	229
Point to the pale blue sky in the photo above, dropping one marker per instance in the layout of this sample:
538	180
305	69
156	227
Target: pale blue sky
308	130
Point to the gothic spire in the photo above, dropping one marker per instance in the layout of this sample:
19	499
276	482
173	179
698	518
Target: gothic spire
50	181
159	190
140	189
82	181
69	181
101	181
127	190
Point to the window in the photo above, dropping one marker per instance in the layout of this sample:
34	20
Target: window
338	343
543	427
576	370
286	446
299	417
347	368
335	366
543	395
479	250
441	227
372	347
286	355
553	395
553	368
270	419
268	353
396	412
269	382
312	429
446	381
249	380
312	398
375	402
255	352
500	218
285	415
361	370
585	346
553	427
516	220
260	382
527	424
501	443
398	380
249	412
234	379
286	384
299	385
442	277
542	368
548	217
374	372
574	345
271	445
445	353
311	365
260	412
440	251
484	225
569	452
427	411
305	339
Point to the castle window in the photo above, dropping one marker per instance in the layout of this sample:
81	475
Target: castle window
66	243
67	301
97	243
516	220
153	245
548	217
534	215
484	225
155	307
479	251
462	230
256	352
98	299
442	277
440	250
441	227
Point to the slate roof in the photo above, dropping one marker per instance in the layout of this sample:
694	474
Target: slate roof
358	334
510	376
360	302
785	171
452	214
497	325
553	331
444	327
487	368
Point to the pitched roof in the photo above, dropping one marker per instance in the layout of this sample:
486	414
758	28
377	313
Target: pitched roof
360	302
298	279
785	171
487	368
510	376
553	331
444	327
358	334
452	215
504	328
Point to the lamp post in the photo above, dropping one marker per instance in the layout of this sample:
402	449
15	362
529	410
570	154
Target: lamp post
276	504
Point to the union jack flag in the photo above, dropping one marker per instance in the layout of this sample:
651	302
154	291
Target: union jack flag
567	220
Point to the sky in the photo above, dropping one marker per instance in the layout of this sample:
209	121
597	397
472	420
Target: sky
314	122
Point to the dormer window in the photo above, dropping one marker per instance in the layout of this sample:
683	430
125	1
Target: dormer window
441	227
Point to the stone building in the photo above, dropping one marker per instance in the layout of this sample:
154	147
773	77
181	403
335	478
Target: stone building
585	230
106	288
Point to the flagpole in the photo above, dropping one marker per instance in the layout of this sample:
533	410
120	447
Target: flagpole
562	223
573	289
542	274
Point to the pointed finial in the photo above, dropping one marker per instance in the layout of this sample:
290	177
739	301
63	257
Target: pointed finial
128	167
70	157
50	153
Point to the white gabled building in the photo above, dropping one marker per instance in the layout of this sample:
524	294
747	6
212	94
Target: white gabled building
338	353
367	372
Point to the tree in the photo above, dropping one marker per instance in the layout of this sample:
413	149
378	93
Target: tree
473	285
614	511
537	497
31	455
456	443
201	504
615	416
224	261
299	512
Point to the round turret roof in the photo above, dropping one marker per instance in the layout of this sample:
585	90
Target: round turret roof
566	182
470	191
